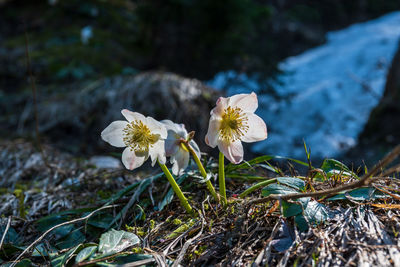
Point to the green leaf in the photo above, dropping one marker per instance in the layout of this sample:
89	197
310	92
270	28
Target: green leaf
22	263
74	238
292	182
130	188
11	236
42	250
45	223
62	259
360	194
85	253
63	231
301	222
142	186
289	209
277	189
315	212
292	209
246	165
8	250
333	166
116	241
101	220
131	258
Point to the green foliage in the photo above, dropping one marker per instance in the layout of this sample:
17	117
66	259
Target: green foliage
360	194
306	211
85	253
115	241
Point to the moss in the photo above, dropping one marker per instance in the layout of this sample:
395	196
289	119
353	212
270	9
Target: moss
184	227
137	250
177	222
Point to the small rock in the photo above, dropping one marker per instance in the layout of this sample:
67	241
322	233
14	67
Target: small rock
105	162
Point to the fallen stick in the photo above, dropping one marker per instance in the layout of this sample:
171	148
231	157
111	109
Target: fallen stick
365	180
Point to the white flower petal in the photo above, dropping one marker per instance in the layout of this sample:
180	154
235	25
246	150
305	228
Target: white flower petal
171	144
132	116
178	129
232	151
222	103
213	132
257	129
156	127
195	148
180	161
132	160
169	124
246	102
157	152
113	134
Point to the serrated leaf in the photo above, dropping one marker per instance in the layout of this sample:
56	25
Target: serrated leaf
292	209
301	223
11	235
62	259
315	212
74	238
277	189
360	194
292	182
101	220
63	231
43	251
85	253
123	259
333	167
116	241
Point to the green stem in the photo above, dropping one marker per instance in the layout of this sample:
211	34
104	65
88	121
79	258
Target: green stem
202	171
221	178
176	188
256	186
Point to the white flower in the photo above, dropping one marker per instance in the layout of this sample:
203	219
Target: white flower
179	155
232	121
142	136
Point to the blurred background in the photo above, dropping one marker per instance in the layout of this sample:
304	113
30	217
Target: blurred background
327	72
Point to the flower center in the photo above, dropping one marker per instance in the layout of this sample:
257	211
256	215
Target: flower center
233	124
138	136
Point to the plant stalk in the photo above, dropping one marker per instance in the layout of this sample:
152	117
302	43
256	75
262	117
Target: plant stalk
202	170
221	178
177	189
256	186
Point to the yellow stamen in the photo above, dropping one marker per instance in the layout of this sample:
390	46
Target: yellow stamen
233	124
138	136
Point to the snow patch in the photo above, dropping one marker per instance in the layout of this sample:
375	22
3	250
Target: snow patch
332	90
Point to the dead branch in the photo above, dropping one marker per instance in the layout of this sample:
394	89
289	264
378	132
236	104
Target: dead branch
365	180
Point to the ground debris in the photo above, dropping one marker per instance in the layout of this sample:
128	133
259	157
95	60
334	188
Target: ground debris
361	230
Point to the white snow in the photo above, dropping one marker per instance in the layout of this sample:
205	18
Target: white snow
333	89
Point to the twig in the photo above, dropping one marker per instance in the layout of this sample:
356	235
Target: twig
187	244
5	232
93	261
364	180
144	262
57	226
